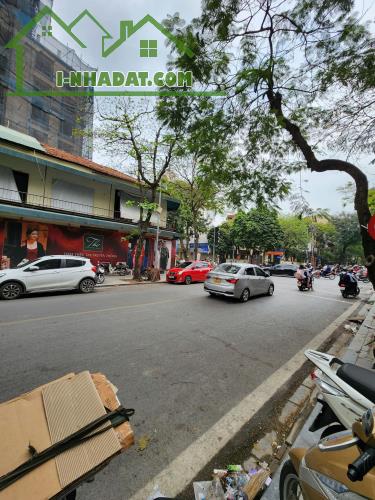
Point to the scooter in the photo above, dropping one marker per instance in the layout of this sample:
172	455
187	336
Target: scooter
338	467
349	290
100	274
120	268
346	391
304	284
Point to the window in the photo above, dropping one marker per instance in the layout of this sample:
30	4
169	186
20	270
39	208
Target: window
260	272
44	265
228	268
74	263
22	182
205	264
66	128
148	48
250	271
39	115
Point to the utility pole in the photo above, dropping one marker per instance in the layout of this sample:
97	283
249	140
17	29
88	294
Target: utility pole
157	253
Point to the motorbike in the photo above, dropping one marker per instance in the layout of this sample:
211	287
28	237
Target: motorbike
121	268
346	391
328	276
304	284
340	466
349	289
362	275
100	273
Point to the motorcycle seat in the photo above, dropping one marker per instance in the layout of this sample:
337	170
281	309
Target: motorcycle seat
361	379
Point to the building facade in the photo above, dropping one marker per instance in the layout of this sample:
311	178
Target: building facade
72	206
64	122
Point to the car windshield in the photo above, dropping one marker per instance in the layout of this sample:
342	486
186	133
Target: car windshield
183	265
227	268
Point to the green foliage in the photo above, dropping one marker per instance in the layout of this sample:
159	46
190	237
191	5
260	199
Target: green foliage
258	229
295	237
347	238
224	246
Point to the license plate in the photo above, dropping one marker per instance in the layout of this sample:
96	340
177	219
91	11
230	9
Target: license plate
217	280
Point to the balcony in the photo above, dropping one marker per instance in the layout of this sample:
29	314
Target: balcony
30	200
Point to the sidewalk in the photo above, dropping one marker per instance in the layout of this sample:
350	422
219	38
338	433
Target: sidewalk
114	280
359	352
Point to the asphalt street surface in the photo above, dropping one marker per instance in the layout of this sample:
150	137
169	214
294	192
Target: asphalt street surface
182	359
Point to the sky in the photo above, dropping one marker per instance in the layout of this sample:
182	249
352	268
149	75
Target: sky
320	188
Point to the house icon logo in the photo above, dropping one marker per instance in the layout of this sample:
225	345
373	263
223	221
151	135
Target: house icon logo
105	83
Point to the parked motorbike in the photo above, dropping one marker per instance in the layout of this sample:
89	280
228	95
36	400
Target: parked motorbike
341	466
346	391
100	273
121	268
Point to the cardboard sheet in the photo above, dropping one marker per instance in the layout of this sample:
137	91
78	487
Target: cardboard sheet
69	406
43	417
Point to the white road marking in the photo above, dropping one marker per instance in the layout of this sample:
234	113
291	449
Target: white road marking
92	311
183	469
313	295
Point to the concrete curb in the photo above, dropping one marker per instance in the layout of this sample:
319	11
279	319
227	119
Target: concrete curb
131	283
358	352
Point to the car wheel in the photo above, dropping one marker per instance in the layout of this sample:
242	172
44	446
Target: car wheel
11	290
87	285
271	290
212	294
245	295
188	280
289	485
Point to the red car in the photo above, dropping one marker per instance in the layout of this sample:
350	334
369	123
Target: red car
187	272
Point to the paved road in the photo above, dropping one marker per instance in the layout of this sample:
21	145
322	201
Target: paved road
179	357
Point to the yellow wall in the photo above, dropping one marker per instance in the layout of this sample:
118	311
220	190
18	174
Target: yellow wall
39	194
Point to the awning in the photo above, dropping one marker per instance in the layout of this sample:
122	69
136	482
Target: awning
59	218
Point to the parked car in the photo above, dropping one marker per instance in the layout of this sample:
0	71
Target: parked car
55	272
189	272
284	270
239	281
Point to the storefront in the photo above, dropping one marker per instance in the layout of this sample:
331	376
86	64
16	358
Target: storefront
27	239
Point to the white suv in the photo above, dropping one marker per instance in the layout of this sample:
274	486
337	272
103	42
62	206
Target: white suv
55	272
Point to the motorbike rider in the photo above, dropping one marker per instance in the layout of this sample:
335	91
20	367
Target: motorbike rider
303	274
348	278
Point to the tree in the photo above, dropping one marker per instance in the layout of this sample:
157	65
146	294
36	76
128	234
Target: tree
307	71
224	244
295	237
348	194
131	131
347	236
257	230
197	195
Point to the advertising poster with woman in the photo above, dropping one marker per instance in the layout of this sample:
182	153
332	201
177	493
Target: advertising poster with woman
22	242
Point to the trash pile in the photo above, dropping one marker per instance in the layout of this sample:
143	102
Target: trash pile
233	483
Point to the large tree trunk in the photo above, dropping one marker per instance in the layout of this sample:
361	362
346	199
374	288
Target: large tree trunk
183	252
315	165
137	271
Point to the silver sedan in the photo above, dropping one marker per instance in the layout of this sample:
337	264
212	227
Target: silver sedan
239	281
